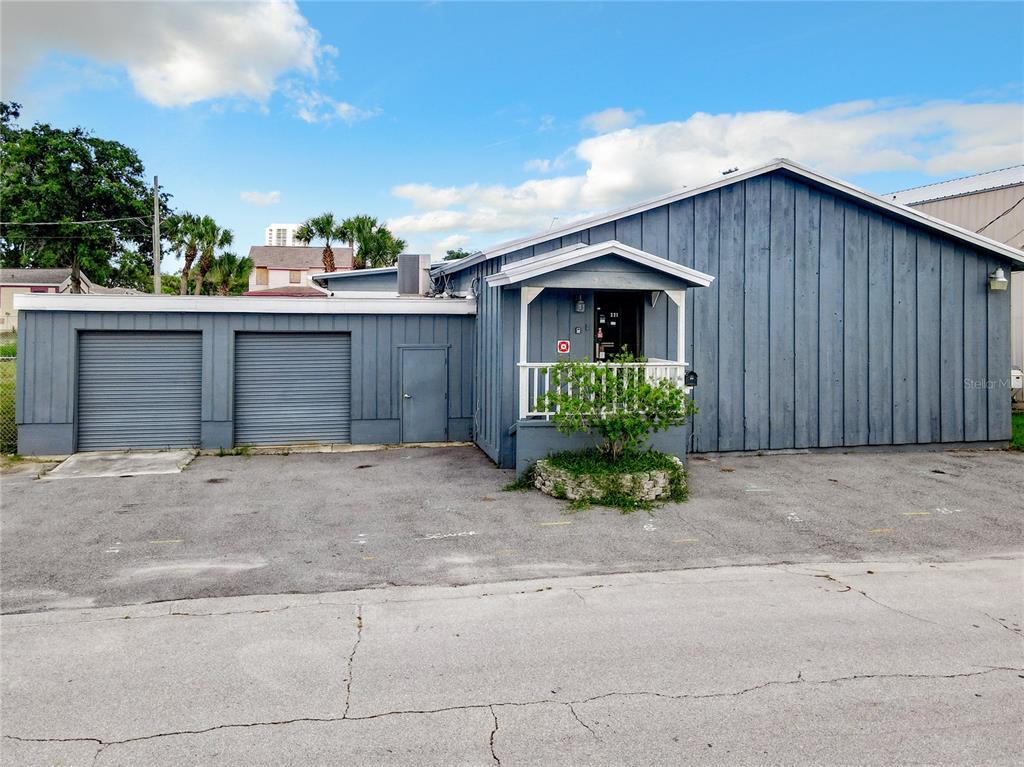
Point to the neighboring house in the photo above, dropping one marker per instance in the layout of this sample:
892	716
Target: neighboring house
991	204
282	266
281	234
815	315
14	281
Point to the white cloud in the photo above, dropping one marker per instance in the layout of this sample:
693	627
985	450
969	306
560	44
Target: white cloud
540	165
609	120
175	53
261	199
440	247
630	164
312	106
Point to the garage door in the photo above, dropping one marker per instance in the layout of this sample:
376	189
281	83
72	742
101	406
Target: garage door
292	388
139	390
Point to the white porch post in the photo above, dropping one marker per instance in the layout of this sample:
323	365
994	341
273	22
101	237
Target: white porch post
526	296
679	299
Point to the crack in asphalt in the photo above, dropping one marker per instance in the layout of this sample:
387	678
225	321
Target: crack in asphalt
351	660
847	587
572	710
999	622
494	732
492	706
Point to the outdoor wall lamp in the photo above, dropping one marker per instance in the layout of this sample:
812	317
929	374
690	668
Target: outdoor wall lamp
997	280
690	379
581	305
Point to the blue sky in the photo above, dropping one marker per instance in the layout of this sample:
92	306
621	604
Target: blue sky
467	123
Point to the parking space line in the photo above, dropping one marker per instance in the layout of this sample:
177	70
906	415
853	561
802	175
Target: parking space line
685	540
880	530
169	540
917	513
559	522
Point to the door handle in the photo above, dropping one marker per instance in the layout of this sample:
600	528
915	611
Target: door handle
407	396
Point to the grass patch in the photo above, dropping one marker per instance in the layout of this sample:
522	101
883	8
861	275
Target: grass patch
605	474
245	450
8	428
521	483
1017	438
8	348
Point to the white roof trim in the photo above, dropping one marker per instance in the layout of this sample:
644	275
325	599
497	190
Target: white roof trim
576	254
89	302
354	272
838	185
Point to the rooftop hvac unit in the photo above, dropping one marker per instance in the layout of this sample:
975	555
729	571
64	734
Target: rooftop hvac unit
413	274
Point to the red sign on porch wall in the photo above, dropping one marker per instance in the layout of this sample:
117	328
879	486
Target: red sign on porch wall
563	347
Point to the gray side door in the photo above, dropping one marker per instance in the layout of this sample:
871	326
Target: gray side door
139	390
292	388
424	394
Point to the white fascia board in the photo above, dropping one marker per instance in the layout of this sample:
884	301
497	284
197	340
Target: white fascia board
354	272
66	302
778	164
551	262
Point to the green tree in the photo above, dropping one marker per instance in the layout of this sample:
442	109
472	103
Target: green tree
51	180
614	402
456	254
183	233
377	246
229	275
323	227
211	238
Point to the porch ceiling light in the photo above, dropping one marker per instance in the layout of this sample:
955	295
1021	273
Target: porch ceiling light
997	280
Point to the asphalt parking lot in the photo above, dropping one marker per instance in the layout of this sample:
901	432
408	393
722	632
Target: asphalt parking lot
309	523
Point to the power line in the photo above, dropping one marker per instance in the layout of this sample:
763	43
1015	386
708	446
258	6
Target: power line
93	221
1000	215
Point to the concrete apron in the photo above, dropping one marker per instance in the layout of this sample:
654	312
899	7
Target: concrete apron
121	464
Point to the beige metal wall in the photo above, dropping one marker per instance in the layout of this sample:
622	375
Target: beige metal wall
975	212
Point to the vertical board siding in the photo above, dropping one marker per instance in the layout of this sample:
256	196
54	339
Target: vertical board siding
830	323
855	326
929	346
807	222
782	286
975	373
730	312
756	372
880	296
951	331
904	336
49	356
704	358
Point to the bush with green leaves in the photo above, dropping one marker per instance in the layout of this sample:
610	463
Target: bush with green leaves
616	403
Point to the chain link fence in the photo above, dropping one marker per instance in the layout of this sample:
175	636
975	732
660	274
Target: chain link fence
8	366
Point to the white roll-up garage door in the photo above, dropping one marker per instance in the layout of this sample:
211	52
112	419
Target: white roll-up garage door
139	390
292	388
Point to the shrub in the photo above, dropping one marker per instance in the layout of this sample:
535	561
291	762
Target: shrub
614	402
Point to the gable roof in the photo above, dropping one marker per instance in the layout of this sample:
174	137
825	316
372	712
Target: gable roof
59	277
297	256
980	182
580	253
812	176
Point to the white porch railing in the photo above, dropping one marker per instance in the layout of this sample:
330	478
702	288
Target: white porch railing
535	380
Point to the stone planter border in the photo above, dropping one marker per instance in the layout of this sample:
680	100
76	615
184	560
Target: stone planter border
645	487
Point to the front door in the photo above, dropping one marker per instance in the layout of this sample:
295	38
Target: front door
618	324
424	396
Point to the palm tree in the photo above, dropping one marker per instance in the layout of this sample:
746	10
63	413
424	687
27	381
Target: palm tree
211	238
323	227
183	236
229	274
378	247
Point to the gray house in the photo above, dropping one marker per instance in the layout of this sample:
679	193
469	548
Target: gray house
814	314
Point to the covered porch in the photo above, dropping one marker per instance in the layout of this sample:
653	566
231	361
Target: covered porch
592	303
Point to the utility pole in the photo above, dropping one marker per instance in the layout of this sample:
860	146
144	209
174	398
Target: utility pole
156	237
